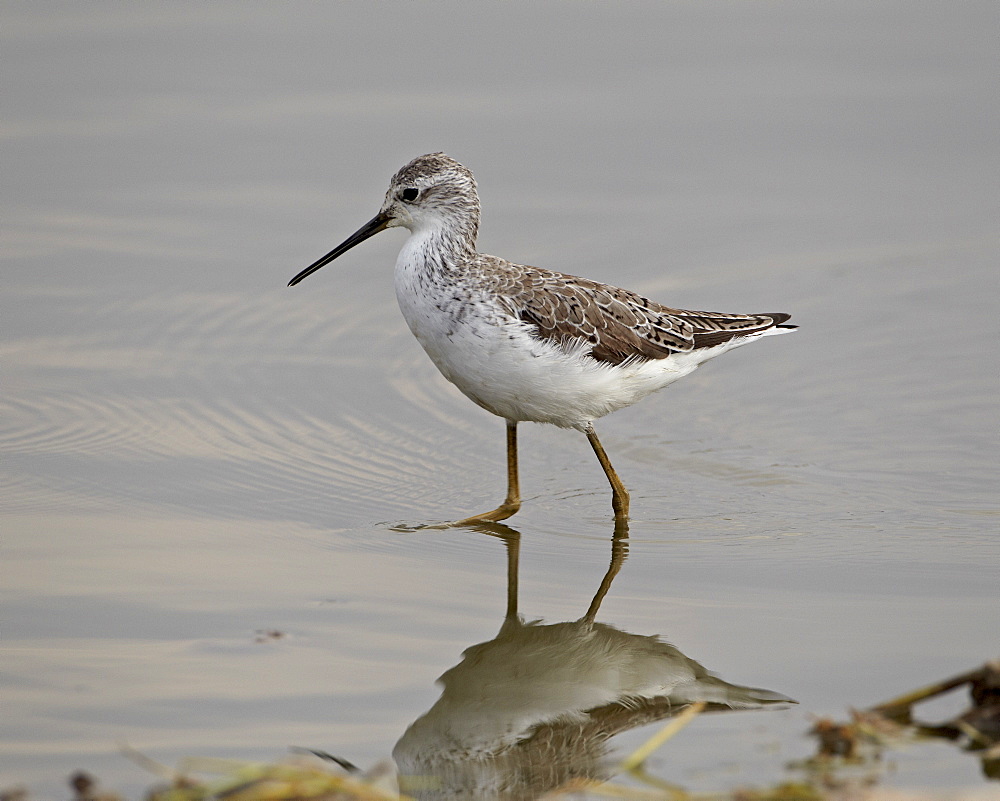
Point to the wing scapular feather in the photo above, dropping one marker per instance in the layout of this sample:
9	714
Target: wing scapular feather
620	324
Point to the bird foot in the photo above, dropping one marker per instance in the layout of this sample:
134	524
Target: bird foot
502	512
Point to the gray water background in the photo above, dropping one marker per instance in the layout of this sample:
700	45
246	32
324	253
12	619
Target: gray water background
190	452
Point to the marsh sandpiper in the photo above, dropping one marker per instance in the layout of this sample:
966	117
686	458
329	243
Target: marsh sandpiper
529	344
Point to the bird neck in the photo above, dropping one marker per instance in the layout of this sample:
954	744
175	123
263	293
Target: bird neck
442	246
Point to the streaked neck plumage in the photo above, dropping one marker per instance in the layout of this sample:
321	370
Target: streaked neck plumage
441	244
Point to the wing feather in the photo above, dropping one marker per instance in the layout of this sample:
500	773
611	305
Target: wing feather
618	324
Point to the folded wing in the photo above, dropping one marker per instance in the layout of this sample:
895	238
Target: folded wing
619	324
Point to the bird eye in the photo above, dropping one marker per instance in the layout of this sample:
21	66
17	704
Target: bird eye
410	193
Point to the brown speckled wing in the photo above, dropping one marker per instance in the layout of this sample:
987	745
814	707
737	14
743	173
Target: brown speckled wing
618	323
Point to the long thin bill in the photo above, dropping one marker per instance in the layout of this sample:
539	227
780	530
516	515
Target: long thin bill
377	223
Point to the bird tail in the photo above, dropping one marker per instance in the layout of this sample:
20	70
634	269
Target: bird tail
779	320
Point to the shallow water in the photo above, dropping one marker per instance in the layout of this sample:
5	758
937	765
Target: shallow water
194	455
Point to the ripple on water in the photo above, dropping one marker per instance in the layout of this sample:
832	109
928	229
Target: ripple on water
174	379
322	465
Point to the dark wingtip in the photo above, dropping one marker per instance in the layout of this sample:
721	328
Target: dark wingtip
779	318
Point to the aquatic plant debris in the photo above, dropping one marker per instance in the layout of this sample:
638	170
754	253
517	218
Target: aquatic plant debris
643	752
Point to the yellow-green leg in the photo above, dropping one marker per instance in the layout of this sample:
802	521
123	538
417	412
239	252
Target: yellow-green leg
512	502
619	495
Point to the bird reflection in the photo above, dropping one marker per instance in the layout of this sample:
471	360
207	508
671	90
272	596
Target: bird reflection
535	707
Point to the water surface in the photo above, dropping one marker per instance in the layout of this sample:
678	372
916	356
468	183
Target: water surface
194	455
